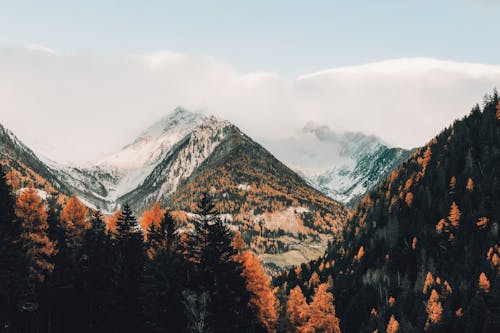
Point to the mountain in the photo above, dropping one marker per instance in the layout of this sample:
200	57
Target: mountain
184	154
108	183
279	214
25	167
343	166
421	252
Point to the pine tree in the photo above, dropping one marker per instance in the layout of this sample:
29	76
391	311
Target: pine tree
12	258
164	279
96	262
129	265
218	272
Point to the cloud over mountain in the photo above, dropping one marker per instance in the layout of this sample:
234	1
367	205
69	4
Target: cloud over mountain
65	105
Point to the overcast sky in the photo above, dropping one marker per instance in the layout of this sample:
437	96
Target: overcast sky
78	81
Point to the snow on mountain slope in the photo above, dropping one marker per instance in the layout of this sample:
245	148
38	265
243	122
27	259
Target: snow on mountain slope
152	144
344	166
163	154
178	164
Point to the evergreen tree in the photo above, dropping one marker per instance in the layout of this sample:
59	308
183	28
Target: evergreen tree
218	272
128	270
164	279
96	262
12	258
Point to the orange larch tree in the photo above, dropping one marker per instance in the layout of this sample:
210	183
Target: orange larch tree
453	185
111	221
393	325
263	299
74	221
470	185
484	283
297	309
322	316
429	281
151	216
32	215
454	216
314	280
434	309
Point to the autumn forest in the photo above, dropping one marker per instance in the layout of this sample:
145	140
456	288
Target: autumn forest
420	252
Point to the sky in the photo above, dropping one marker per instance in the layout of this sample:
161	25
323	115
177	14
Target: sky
79	79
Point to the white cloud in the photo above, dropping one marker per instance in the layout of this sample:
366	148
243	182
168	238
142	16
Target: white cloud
76	107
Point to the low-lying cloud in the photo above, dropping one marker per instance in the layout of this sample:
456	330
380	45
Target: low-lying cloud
75	107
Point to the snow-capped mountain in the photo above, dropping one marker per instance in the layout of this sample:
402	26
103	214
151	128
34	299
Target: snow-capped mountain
184	157
344	166
108	182
186	154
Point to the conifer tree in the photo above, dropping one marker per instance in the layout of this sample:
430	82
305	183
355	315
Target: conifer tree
96	264
263	299
322	317
74	221
152	216
12	258
297	309
32	215
164	279
218	272
129	264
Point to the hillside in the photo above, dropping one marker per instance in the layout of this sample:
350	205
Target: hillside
183	155
279	215
24	167
422	250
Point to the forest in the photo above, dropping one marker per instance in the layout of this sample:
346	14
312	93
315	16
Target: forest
63	270
420	253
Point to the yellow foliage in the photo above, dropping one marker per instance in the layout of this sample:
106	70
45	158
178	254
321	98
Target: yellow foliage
482	222
393	325
470	185
454	216
409	199
429	281
360	254
484	283
434	309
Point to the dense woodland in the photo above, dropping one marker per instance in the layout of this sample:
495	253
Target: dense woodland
422	252
63	269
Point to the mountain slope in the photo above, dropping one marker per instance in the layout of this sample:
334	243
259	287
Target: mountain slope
25	167
247	178
104	182
343	166
180	161
424	247
279	215
185	154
